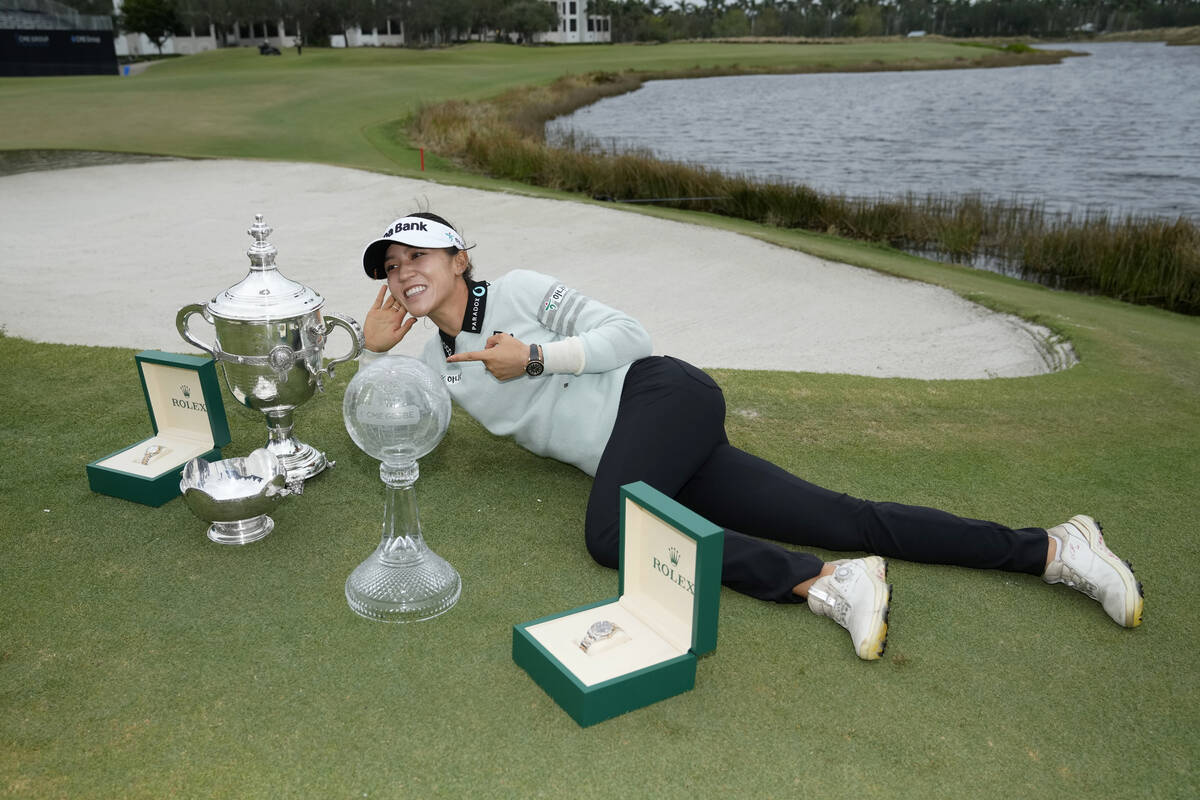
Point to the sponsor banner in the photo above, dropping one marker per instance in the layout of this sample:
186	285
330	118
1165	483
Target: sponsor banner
49	52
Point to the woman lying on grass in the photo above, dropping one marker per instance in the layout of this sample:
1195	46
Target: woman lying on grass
573	379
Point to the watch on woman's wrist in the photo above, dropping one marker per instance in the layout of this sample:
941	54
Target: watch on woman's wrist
535	365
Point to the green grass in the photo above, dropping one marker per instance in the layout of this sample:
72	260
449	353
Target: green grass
139	660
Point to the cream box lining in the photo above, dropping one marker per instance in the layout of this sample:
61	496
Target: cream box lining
636	646
177	449
184	430
655	613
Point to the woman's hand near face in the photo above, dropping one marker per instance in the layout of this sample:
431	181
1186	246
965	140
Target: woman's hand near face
505	356
386	324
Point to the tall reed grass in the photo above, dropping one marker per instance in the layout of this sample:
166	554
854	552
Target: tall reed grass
1137	259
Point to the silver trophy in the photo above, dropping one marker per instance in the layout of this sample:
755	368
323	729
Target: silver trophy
396	409
235	494
270	338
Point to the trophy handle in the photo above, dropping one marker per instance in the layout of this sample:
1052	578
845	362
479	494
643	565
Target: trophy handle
181	324
356	334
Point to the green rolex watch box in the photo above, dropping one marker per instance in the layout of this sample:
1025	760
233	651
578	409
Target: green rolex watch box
187	414
606	658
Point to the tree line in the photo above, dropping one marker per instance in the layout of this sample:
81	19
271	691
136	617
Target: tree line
654	20
435	21
441	21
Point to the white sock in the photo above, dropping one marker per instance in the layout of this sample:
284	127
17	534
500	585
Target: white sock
1058	552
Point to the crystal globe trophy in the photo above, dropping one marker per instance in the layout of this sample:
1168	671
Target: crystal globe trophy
397	410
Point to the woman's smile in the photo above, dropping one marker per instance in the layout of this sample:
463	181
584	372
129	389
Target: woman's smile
427	282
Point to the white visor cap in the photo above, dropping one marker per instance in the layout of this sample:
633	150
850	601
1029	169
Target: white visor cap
414	232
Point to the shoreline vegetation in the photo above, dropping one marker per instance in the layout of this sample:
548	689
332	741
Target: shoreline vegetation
1169	36
1144	260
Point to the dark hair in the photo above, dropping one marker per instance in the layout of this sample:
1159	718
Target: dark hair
468	273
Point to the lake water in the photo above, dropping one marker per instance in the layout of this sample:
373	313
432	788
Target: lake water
1115	131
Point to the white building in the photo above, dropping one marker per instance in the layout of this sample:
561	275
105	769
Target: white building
576	25
138	44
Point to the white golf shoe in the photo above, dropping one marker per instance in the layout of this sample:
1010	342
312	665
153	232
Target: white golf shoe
1085	563
856	597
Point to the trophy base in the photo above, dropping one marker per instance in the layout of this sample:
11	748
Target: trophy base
242	531
301	461
417	590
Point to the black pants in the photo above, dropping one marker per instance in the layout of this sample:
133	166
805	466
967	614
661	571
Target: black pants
670	433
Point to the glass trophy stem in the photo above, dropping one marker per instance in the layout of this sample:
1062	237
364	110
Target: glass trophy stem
402	541
403	580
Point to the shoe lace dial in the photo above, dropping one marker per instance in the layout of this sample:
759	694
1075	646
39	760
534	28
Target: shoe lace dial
830	604
1076	581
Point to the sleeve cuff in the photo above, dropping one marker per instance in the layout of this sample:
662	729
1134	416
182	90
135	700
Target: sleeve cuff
564	356
367	356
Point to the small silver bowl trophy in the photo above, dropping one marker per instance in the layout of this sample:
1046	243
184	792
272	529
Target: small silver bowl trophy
270	338
235	494
397	410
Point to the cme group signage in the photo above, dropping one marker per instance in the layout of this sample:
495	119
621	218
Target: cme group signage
56	52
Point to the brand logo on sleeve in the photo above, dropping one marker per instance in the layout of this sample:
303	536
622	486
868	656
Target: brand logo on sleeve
556	297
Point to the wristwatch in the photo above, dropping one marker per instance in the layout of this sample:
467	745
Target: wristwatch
597	632
535	366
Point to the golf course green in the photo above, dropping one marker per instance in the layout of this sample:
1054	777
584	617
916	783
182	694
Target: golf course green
137	659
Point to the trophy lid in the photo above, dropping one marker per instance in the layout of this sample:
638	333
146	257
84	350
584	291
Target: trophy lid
264	294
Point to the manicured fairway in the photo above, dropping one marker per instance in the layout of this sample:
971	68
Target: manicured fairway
139	660
323	105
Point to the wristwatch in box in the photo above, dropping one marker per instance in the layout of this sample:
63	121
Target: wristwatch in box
598	631
670	589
